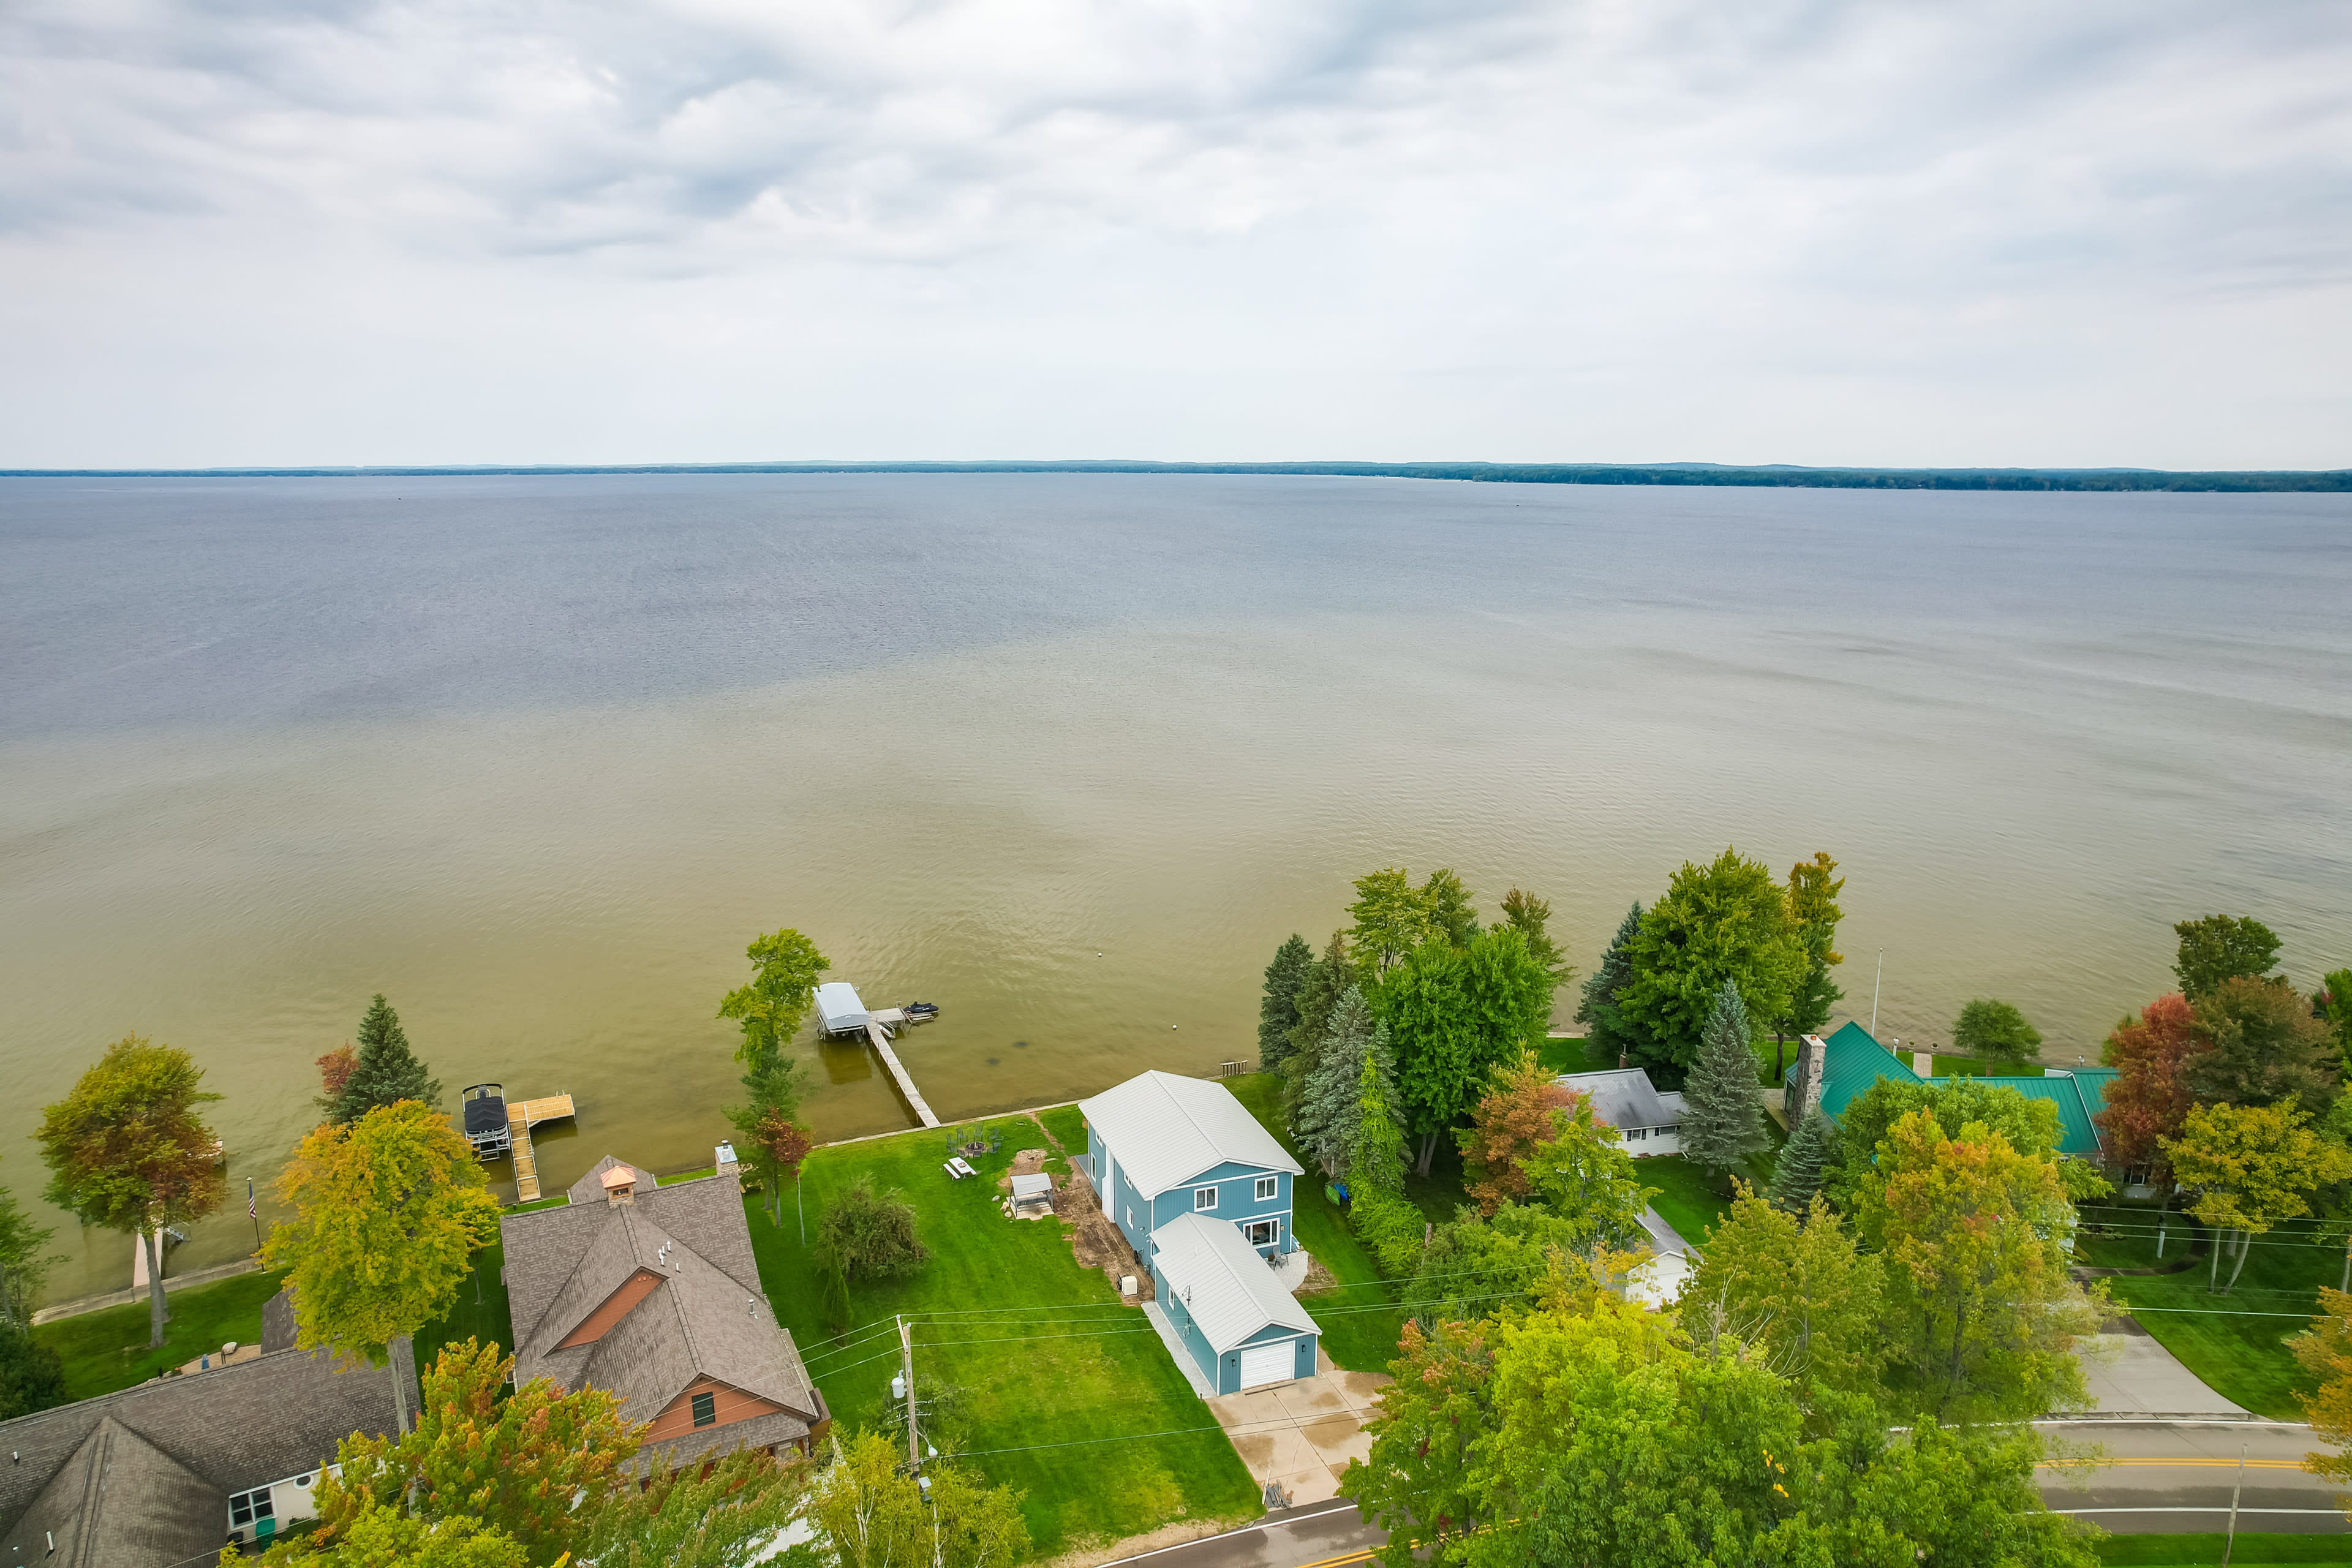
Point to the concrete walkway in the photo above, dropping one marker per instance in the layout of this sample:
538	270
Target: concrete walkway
1303	1434
1158	1317
1657	1282
76	1308
2129	1371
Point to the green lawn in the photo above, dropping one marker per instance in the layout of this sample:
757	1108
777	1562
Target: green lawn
107	1350
1971	1067
1067	1126
2236	1342
2205	1551
1061	1383
1690	1198
1359	1321
480	1313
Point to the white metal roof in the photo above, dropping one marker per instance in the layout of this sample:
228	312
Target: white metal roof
1164	1131
1622	1096
1223	1283
837	1006
1039	1186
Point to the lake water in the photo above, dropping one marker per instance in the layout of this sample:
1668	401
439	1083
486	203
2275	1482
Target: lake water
1069	755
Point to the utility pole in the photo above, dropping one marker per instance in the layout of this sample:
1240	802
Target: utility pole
1874	992
2230	1544
800	1204
906	1367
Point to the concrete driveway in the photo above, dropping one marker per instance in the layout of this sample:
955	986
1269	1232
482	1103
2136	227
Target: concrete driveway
2129	1371
1302	1434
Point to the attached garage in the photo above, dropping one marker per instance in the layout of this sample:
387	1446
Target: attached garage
1243	1329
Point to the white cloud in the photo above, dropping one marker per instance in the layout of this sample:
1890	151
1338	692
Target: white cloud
518	230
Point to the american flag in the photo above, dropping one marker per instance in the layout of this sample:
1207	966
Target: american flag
250	1212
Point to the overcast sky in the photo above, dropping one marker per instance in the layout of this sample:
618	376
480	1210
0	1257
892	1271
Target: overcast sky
267	231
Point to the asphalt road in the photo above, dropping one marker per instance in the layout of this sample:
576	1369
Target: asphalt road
2174	1478
2156	1478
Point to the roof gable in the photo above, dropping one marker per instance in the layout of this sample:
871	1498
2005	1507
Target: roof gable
1164	1130
1621	1096
1225	1285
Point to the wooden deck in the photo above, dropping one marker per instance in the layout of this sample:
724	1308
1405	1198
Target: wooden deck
522	1115
880	1037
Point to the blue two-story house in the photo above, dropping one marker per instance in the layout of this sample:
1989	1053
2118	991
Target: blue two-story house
1162	1149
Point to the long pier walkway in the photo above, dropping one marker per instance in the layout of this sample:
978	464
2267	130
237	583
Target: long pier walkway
522	1115
880	1037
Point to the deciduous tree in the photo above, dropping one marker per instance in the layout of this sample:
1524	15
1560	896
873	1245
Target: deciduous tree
2220	948
1277	1010
2333	1007
1814	913
1520	1110
2029	1126
1983	1312
127	1150
1794	1287
872	1233
537	1465
1727	919
388	1211
1415	1483
386	1072
1722	1120
1474	1267
874	1517
2326	1352
713	1513
1453	1015
2266	1047
1995	1031
1583	1174
1448	906
2148	1099
778	1144
335	1069
1599	1007
768	1011
2252	1166
1531	917
1392	919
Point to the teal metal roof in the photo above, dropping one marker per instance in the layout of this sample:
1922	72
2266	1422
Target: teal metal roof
1855	1060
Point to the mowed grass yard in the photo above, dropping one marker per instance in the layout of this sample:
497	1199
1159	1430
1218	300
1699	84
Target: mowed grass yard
2236	1343
107	1350
1069	1396
2205	1551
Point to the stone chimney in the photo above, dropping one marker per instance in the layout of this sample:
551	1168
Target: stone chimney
1805	1089
620	1185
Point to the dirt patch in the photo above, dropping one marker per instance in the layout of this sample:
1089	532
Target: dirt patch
1318	1278
1048	1131
1027	1162
1097	1242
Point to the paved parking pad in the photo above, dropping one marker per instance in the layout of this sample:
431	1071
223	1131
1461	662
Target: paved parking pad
1302	1434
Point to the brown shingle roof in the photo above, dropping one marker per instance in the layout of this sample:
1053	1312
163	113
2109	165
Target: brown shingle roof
233	1428
707	1317
121	1502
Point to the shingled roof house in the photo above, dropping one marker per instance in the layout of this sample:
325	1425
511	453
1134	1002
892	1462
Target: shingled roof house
652	1293
159	1475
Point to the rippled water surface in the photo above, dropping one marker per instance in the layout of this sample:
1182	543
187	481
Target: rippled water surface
1069	755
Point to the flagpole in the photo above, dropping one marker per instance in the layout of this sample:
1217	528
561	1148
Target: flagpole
253	1214
1874	992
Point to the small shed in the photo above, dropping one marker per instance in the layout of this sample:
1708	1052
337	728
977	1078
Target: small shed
1649	1118
838	1010
1243	1329
1036	1187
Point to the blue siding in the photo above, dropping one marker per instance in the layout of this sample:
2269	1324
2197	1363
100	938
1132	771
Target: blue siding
1237	1198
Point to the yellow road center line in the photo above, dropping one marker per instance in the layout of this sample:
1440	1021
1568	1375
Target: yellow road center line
2213	1464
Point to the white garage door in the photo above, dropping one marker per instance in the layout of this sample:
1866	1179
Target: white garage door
1268	1364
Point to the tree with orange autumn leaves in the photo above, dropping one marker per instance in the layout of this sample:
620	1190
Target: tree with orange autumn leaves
1521	1111
2149	1098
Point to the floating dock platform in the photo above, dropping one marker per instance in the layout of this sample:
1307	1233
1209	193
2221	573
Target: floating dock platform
522	1115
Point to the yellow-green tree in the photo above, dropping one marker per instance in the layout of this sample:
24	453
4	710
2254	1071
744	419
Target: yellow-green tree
537	1465
2326	1352
878	1518
1798	1290
1982	1313
388	1211
127	1150
2252	1166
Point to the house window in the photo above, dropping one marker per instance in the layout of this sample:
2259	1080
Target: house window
1265	1189
246	1507
1670	1131
1635	1135
1262	1232
706	1410
1203	1198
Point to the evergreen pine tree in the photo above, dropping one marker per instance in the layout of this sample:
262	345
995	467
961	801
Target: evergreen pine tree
1376	1163
1278	1013
1605	1031
1799	1175
1723	1122
1331	1110
388	1071
1318	993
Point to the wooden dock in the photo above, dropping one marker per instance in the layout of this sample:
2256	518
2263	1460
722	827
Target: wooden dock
521	1116
880	1037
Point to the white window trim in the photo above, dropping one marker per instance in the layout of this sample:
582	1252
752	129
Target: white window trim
1250	1225
1268	1189
1281	1216
1209	1193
